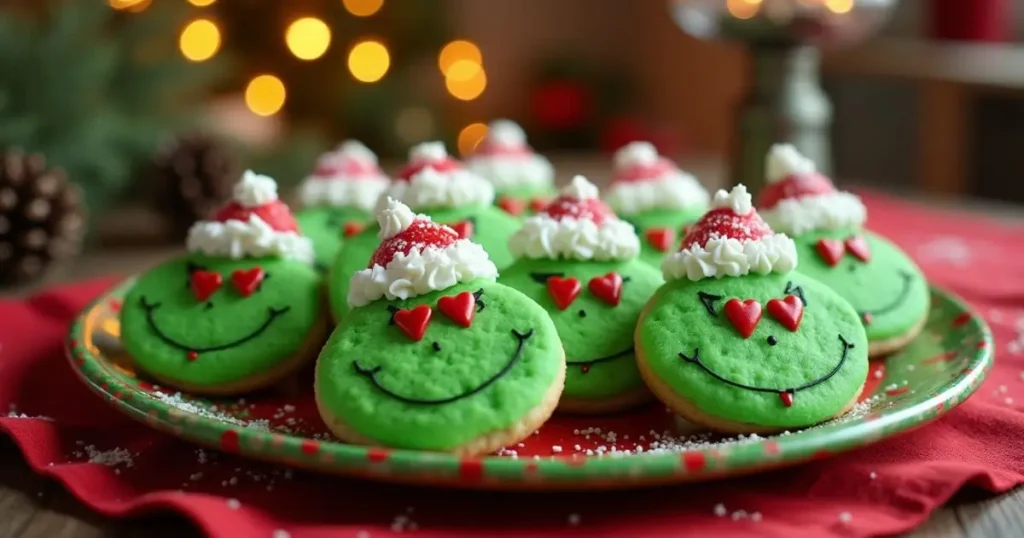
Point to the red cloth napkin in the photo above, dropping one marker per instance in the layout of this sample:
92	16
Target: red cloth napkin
886	488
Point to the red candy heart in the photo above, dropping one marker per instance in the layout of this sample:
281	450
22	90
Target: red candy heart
459	308
247	281
563	290
204	283
857	246
538	204
511	205
352	228
744	315
788	311
413	322
831	250
608	288
660	238
786	398
464	229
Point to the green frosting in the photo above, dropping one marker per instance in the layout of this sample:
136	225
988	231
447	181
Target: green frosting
325	226
672	219
889	287
677	321
516	373
591	329
257	333
492	230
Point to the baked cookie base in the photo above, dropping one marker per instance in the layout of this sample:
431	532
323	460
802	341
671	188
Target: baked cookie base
621	402
879	348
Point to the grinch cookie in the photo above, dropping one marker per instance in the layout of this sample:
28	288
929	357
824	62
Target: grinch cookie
435	355
338	198
438	186
523	180
240	311
579	262
881	282
656	197
737	341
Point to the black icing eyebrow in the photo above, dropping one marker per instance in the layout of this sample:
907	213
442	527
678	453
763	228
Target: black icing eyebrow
626	279
795	290
480	305
542	278
392	310
708	300
192	267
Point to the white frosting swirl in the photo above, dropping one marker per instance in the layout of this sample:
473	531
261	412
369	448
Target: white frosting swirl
254	190
723	256
738	199
573	239
784	160
796	216
356	150
395	218
513	171
345	189
421	271
428	151
430	189
675	190
506	133
636	154
580	188
254	238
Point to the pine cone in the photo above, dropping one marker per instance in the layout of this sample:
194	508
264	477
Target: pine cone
196	174
41	217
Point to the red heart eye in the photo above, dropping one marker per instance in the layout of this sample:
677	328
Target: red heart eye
857	246
563	290
247	281
788	311
660	238
608	288
464	229
459	308
744	315
204	283
352	228
413	323
537	205
831	250
511	205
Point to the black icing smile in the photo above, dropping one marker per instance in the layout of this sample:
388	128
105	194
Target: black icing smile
586	364
695	359
905	277
371	375
272	314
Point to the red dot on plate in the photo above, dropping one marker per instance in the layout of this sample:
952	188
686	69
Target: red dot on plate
531	468
694	461
471	468
115	305
961	319
229	441
820	455
74	343
982	344
310	447
377	455
771	447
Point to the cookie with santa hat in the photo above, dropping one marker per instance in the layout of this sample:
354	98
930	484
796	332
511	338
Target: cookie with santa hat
434	353
338	198
737	340
886	287
437	185
654	195
523	180
242	310
581	264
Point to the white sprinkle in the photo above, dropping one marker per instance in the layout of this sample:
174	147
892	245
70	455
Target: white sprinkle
574	520
878	374
873	475
289	408
910	367
195	476
738	515
110	458
556	449
363	534
845	517
1009	401
755	517
1022	375
234	504
1002	389
720	510
281	533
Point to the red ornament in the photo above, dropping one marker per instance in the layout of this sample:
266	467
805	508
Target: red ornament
560	105
352	228
857	246
413	322
511	205
744	315
787	398
247	281
563	290
831	250
608	288
789	311
204	283
660	238
459	308
463	228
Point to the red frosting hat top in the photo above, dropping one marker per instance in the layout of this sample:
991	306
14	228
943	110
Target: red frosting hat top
504	137
428	155
346	177
639	161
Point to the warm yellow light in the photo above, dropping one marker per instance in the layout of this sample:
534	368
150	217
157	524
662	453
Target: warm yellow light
265	95
201	3
200	40
839	6
308	38
369	61
470	137
463	70
742	9
362	8
456	51
134	6
468	89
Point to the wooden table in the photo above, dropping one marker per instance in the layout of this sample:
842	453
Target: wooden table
34	507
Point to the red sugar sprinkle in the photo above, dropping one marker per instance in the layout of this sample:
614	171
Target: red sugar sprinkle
446	165
724	222
651	172
276	214
471	468
567	207
962	319
229	441
420	233
377	455
794	186
694	461
310	447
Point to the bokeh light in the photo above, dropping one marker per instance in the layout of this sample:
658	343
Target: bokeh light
743	9
265	95
362	8
308	38
369	61
470	137
839	6
467	89
201	3
200	40
459	50
463	70
134	6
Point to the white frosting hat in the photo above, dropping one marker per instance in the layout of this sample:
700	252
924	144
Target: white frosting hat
416	256
798	199
432	179
254	223
506	160
349	176
644	181
576	226
730	240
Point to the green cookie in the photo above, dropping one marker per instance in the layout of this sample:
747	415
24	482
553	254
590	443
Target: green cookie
228	342
672	220
696	360
326	227
492	228
449	389
889	291
597	336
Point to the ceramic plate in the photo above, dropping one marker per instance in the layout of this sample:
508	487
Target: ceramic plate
935	373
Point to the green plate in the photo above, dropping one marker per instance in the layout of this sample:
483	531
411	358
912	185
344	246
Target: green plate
649	446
